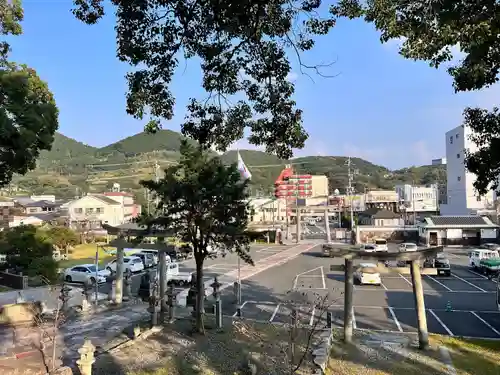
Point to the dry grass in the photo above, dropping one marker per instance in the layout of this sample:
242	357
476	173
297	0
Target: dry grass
374	359
471	357
177	352
87	251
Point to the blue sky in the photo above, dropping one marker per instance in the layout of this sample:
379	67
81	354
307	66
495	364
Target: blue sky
380	107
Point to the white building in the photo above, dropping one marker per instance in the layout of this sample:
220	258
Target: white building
462	199
418	198
440	161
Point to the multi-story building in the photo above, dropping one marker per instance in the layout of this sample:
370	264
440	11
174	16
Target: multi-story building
462	199
418	198
382	199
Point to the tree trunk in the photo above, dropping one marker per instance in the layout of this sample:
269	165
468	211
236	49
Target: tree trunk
200	296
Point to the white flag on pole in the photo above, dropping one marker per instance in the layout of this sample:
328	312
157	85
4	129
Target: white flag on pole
245	173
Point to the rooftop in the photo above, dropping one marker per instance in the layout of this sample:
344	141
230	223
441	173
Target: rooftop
460	221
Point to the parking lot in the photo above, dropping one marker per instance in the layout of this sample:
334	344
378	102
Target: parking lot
463	304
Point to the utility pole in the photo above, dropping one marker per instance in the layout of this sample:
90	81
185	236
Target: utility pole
157	179
350	175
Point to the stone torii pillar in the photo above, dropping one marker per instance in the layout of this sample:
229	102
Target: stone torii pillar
120	250
418	293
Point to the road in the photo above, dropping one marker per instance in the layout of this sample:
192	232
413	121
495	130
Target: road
307	278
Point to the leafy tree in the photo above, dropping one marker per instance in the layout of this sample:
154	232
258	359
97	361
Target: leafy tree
63	238
205	203
29	251
430	31
28	113
243	48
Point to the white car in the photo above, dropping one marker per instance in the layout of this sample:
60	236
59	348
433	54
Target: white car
85	273
131	263
367	273
381	244
407	247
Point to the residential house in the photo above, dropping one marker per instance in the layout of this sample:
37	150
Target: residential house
130	208
380	218
91	211
36	219
457	230
40	207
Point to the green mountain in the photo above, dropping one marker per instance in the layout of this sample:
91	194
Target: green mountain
72	167
163	140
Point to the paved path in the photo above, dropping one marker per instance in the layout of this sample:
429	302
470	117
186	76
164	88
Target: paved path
99	328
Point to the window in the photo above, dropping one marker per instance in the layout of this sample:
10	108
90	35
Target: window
32	210
99	210
89	211
459	178
456	136
78	210
458	156
451	140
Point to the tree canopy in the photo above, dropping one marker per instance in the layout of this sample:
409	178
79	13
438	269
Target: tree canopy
28	113
63	238
206	204
29	250
431	31
244	49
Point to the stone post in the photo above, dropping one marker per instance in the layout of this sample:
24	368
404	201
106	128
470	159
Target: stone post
237	291
348	303
119	273
64	297
20	297
218	303
110	281
87	358
153	306
172	300
127	282
418	292
86	292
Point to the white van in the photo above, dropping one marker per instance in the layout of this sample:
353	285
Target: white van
476	255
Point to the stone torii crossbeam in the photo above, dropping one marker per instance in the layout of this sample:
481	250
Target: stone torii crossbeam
349	253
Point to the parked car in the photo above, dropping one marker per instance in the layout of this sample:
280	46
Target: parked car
131	263
153	252
490	246
367	273
381	244
407	247
148	260
85	273
369	248
440	262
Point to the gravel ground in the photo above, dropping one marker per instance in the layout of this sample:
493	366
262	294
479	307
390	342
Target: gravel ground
175	351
